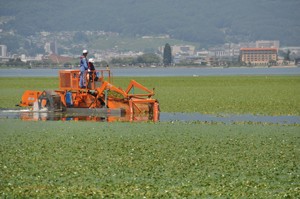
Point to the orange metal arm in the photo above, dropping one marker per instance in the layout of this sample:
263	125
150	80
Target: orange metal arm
133	83
107	85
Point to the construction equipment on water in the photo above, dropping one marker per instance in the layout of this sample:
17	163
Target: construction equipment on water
99	96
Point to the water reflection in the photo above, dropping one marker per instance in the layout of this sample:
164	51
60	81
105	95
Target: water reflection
112	116
27	115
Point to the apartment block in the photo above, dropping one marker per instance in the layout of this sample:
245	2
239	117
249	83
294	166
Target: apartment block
258	56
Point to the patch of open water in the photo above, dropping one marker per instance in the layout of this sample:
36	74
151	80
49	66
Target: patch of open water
229	118
162	71
27	115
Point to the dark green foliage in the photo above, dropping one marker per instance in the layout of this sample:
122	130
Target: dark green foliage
167	55
287	56
15	63
123	61
80	37
205	22
103	64
147	58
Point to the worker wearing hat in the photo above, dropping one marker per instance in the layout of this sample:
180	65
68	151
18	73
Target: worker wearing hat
91	71
83	68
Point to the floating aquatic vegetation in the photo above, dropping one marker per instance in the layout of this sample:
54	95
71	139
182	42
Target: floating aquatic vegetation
180	159
275	95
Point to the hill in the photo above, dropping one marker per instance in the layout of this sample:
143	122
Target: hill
205	22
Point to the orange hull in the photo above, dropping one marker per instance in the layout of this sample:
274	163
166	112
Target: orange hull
100	93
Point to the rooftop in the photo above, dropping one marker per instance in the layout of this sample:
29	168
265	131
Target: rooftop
258	49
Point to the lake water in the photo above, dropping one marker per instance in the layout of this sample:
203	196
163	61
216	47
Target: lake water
161	71
28	115
229	118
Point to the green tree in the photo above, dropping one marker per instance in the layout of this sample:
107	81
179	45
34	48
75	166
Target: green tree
103	63
123	61
297	61
167	56
287	57
80	37
148	58
285	54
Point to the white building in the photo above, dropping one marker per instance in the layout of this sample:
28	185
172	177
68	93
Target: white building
47	48
186	50
24	58
3	51
51	47
267	44
183	49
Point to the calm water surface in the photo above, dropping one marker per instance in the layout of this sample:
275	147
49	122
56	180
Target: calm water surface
164	117
160	72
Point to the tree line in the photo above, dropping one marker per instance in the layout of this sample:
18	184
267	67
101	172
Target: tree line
146	59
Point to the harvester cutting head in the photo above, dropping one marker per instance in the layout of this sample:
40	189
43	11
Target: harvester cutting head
100	93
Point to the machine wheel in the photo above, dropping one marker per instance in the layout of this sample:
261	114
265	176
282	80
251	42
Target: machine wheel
50	100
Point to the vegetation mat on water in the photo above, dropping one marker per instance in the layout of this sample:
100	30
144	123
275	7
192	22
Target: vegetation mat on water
152	160
267	95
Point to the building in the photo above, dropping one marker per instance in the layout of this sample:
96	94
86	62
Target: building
183	50
294	52
51	48
3	54
58	59
258	56
225	51
3	51
47	48
267	44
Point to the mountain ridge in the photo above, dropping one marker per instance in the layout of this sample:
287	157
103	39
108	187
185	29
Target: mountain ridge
203	21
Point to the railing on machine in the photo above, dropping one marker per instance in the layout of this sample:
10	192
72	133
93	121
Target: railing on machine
69	79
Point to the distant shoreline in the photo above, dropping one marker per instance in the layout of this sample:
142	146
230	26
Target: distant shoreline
137	67
162	71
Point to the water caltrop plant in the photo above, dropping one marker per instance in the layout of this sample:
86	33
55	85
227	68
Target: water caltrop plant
148	160
57	159
266	95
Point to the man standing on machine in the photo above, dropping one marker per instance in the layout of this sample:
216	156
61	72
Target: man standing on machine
83	68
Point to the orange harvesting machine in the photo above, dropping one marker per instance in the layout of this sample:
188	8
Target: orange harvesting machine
99	95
